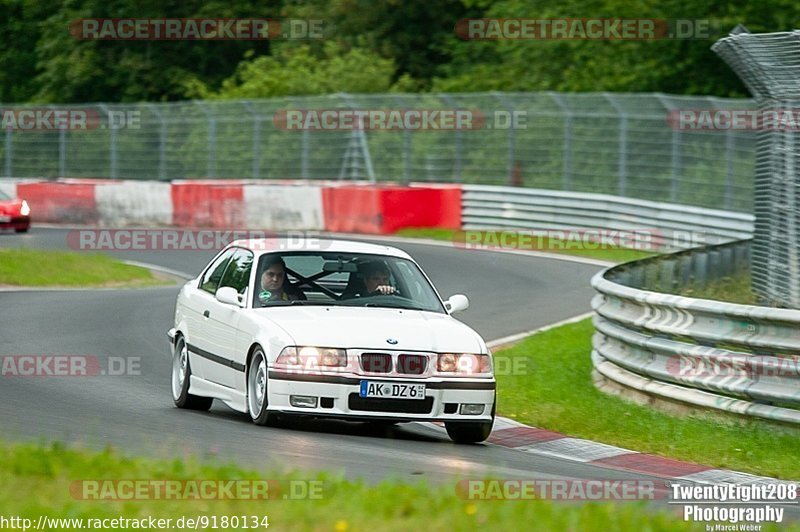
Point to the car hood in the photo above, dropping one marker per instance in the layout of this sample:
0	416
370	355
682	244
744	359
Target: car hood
370	328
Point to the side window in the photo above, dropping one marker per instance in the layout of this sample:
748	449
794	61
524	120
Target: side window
213	275
237	273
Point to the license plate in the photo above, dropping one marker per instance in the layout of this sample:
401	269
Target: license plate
5	219
392	390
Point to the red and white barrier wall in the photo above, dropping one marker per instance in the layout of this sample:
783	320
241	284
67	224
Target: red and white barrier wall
276	206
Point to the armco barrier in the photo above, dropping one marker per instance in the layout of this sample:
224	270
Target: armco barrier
284	207
491	207
208	204
385	209
135	203
240	204
69	201
737	358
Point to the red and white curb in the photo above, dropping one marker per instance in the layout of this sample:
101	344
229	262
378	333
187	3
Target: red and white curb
540	442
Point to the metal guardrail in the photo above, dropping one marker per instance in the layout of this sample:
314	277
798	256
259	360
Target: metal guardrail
672	226
736	358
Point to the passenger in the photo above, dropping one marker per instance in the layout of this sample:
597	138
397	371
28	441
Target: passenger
274	284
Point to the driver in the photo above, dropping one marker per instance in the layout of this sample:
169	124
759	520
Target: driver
273	283
376	279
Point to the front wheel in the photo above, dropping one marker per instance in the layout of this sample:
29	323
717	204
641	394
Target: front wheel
470	432
181	373
257	386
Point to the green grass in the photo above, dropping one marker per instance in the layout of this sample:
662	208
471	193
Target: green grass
734	289
549	245
37	480
28	267
552	389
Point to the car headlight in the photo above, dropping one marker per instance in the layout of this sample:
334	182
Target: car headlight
25	210
309	357
463	364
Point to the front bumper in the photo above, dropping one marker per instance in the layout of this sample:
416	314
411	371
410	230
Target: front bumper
18	223
171	334
338	396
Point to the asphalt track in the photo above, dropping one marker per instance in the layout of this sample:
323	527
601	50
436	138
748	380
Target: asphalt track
508	294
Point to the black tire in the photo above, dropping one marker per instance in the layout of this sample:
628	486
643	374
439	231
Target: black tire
180	385
470	432
21	230
257	386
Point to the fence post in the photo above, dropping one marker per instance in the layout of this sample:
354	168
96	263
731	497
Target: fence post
361	141
729	145
162	142
62	151
675	149
567	164
9	147
211	161
458	164
112	149
623	144
512	141
256	149
304	153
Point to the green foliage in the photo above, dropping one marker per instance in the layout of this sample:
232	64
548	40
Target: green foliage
671	66
298	71
368	46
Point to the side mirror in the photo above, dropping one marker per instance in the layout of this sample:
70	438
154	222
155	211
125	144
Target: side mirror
229	296
456	303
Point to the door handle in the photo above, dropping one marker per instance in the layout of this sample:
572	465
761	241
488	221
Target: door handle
207	313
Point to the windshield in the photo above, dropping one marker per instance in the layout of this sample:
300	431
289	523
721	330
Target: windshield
4	196
342	279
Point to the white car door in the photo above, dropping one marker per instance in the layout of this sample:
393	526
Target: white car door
222	325
198	309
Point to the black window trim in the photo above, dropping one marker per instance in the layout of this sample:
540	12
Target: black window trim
249	276
210	264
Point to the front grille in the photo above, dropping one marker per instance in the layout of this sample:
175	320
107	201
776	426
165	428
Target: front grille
397	406
376	362
412	364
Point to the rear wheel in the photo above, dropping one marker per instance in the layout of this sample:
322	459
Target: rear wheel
181	372
21	229
257	389
470	432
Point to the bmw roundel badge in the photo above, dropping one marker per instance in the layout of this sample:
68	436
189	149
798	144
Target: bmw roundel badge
391	341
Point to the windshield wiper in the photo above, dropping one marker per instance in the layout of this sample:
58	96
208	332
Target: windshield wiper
296	302
402	307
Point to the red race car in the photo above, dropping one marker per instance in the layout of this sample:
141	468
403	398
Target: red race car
14	213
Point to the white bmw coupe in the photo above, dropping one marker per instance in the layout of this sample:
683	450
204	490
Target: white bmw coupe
329	328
